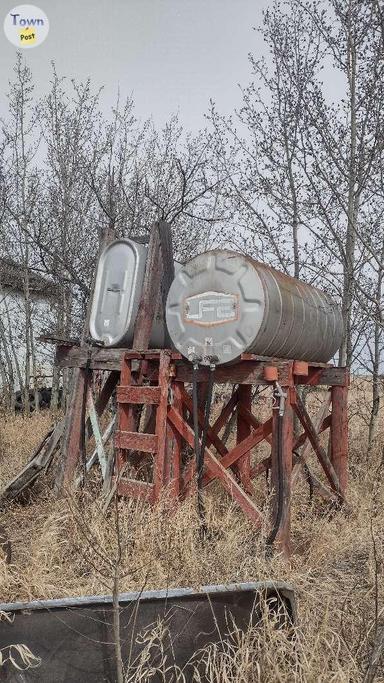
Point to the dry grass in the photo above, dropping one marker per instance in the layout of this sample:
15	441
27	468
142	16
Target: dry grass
63	548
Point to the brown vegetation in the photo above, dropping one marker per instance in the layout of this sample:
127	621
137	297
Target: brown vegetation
60	548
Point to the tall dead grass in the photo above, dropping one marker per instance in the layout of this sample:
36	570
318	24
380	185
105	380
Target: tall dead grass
68	547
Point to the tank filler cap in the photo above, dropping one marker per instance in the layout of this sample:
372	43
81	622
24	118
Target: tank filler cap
216	306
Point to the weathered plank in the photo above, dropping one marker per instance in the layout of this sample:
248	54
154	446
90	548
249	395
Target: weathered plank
281	468
136	441
72	436
100	359
40	461
226	413
243	465
339	435
161	426
159	273
318	423
96	432
94	457
132	488
329	376
138	394
246	372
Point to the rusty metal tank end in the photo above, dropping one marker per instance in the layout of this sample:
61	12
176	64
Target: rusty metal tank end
222	304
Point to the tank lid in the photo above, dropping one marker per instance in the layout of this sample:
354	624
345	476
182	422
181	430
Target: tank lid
215	307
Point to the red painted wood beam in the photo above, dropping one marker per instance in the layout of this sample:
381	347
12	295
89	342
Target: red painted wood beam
217	470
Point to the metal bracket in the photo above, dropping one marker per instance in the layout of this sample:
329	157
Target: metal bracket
279	397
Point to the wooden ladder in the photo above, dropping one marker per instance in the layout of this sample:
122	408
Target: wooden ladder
129	442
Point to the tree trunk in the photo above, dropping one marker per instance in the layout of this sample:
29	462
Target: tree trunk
34	366
8	367
116	628
345	357
378	330
373	421
27	369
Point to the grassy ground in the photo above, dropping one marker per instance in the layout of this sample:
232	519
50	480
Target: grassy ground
63	548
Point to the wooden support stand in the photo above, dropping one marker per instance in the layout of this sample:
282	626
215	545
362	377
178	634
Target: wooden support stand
155	454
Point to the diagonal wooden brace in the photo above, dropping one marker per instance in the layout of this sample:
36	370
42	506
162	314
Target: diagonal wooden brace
212	437
239	450
313	437
217	470
252	420
321	420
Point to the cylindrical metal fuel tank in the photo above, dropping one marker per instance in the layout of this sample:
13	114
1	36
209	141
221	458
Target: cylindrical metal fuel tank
222	304
118	285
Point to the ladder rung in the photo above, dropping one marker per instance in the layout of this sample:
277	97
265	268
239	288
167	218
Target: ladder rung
136	441
135	489
143	395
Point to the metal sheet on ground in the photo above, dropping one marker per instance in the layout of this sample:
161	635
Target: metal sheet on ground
74	637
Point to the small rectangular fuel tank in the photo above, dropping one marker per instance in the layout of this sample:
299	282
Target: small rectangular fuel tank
118	285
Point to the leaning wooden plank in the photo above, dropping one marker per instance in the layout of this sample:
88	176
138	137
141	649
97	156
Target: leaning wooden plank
70	447
96	431
94	457
39	462
159	274
103	398
107	483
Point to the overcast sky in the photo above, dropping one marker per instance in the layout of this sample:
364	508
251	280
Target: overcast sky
171	55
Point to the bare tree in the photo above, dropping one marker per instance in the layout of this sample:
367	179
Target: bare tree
302	172
20	200
144	175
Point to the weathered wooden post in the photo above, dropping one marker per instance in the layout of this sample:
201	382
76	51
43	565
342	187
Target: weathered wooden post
243	430
281	469
339	435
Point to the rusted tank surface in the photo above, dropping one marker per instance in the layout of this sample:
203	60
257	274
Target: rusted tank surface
118	285
222	304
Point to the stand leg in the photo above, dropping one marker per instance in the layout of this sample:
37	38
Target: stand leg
175	446
126	415
72	432
339	435
281	471
243	430
161	427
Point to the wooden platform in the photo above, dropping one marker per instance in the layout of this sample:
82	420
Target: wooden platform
248	370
